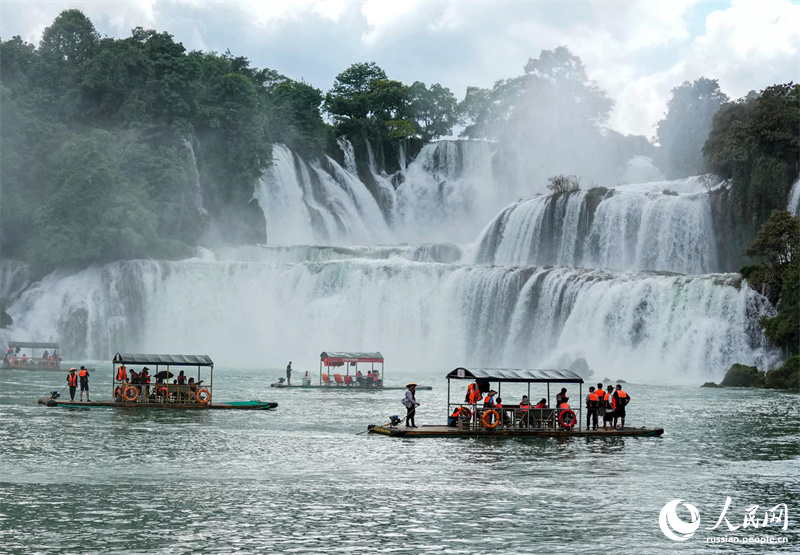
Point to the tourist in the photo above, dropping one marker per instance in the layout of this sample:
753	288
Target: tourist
411	404
591	409
72	382
144	378
561	398
289	373
621	400
181	378
608	417
542	404
83	377
489	400
473	394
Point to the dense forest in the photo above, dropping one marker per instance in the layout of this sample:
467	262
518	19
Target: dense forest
135	147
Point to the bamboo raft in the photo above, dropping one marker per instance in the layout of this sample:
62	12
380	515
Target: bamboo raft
235	405
280	385
450	431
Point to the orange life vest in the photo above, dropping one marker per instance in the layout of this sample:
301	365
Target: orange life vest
122	375
593	397
622	395
72	379
564	406
613	401
523	407
540	406
489	401
601	395
83	373
473	394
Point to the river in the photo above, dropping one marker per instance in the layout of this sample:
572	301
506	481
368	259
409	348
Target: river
299	479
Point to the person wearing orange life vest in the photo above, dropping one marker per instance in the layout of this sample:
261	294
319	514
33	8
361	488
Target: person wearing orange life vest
24	360
524	405
489	400
122	374
591	408
601	402
473	395
621	400
608	416
83	378
72	382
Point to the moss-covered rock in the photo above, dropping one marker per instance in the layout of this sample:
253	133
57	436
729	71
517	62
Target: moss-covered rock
740	375
709	384
785	377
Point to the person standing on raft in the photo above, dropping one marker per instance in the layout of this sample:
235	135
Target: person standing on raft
289	373
72	382
410	403
83	376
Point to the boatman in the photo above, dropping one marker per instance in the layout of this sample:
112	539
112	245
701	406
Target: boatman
72	382
83	377
289	373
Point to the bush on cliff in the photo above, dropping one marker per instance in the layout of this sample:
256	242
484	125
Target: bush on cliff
785	377
740	375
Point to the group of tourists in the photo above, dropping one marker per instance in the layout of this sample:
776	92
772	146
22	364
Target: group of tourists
135	386
76	377
13	359
609	404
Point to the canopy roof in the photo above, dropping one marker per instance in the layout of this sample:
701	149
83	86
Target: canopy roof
513	375
166	360
341	356
32	345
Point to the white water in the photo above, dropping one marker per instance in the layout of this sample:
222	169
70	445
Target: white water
794	199
428	315
638	227
330	278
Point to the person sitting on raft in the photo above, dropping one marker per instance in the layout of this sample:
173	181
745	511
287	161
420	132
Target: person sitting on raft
541	404
524	405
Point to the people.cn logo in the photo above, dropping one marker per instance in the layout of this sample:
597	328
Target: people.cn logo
672	525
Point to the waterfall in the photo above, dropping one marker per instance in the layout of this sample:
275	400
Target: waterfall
417	313
637	227
794	199
320	202
197	193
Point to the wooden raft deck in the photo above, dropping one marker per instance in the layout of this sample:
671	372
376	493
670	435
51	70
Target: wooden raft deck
279	385
447	431
235	405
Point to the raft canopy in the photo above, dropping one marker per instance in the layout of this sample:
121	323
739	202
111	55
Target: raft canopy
32	345
514	375
337	358
167	360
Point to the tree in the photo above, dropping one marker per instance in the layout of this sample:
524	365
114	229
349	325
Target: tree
70	40
434	110
777	247
755	141
685	126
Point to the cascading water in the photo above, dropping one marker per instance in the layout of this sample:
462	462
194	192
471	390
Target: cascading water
423	314
428	304
794	199
639	227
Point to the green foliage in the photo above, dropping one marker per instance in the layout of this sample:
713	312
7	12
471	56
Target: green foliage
777	247
685	127
435	110
785	377
740	375
756	142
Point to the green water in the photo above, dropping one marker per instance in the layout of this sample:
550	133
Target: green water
299	480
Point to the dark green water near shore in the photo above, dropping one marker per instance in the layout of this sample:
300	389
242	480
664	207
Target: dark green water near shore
299	480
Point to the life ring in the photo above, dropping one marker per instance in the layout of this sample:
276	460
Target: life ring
51	364
16	363
567	412
203	396
485	419
466	413
130	393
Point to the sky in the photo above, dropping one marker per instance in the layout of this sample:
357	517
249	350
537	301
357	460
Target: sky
636	51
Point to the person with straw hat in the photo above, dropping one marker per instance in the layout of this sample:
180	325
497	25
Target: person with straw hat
410	403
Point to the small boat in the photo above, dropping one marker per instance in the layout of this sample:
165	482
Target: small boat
344	380
28	355
472	420
135	390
